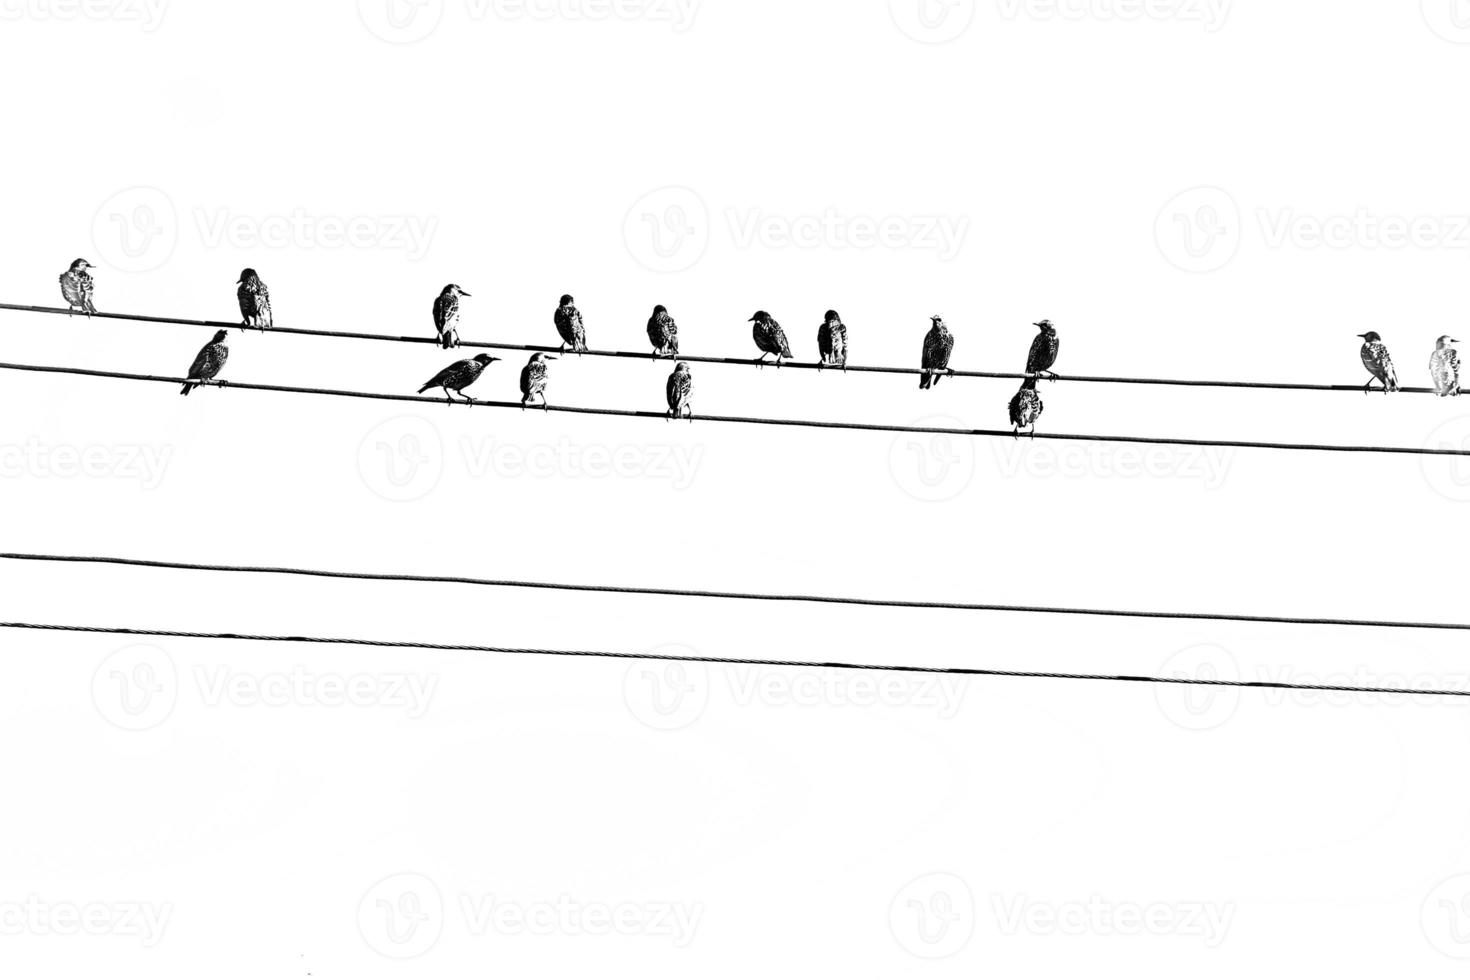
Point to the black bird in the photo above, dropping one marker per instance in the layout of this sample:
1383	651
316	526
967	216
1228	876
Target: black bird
255	300
569	324
533	378
77	286
459	376
938	345
1379	364
446	315
663	333
769	336
832	340
1025	408
1043	350
679	389
207	363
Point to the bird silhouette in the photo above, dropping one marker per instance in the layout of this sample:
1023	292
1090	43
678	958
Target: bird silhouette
1444	367
1379	364
533	378
459	376
938	345
832	341
1044	349
77	286
769	337
255	300
569	325
1025	408
679	390
207	363
663	333
446	315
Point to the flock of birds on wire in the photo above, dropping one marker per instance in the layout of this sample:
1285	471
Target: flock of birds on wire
77	287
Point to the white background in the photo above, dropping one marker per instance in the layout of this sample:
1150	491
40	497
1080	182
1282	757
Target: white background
1188	189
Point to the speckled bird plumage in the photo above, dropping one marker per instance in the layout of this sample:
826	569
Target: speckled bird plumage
1444	367
938	345
446	315
569	325
1025	407
769	336
663	333
208	363
1044	349
1379	364
77	286
459	376
832	340
255	300
533	378
679	390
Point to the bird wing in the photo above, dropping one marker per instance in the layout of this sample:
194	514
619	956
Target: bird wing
526	373
824	340
443	310
782	344
201	362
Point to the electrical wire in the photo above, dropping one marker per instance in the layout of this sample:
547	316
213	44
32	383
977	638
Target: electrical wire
718	594
753	420
695	359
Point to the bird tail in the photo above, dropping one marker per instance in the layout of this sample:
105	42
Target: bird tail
188	387
925	379
425	388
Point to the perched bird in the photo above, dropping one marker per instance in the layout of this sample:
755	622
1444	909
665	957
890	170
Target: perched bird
446	315
663	333
1043	350
569	325
1378	363
76	287
459	376
1444	367
207	364
769	336
832	340
1025	408
533	378
255	300
938	345
680	386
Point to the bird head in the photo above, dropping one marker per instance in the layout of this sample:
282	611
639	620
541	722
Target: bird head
485	359
246	275
761	316
542	358
453	290
566	299
682	367
937	320
220	336
1045	326
1371	337
1445	341
832	315
660	309
81	265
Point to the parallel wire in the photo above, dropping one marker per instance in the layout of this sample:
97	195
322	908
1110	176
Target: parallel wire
735	661
695	359
754	420
665	591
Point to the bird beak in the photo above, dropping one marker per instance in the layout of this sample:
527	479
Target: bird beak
550	357
463	293
1363	335
751	320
